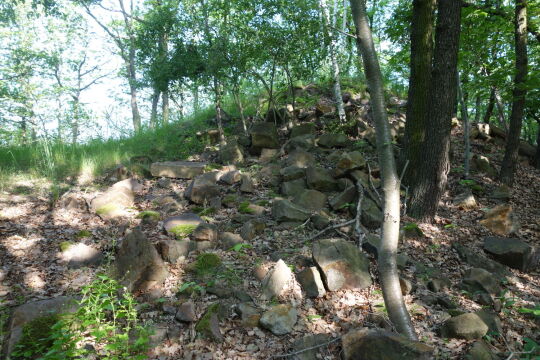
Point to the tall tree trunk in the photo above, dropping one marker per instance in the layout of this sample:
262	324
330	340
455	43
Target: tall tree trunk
218	98
75	120
490	106
465	119
433	169
329	25
477	106
419	82
238	100
195	98
153	113
510	159
165	105
500	110
390	182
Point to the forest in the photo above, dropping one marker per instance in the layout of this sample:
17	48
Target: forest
242	179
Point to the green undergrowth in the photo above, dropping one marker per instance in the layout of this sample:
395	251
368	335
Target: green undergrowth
181	231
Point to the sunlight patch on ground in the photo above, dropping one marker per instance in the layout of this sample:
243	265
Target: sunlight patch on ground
19	246
13	212
34	280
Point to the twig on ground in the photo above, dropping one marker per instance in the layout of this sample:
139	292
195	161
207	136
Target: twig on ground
330	227
306	349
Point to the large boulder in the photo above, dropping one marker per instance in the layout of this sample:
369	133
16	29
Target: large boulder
480	280
285	211
466	326
177	169
116	199
320	179
300	158
342	265
293	187
353	160
277	281
292	173
375	344
231	153
138	265
202	189
182	225
371	214
263	135
303	129
333	140
474	259
34	311
311	199
509	251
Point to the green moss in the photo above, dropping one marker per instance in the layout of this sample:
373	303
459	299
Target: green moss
412	229
181	231
35	337
203	327
206	263
263	202
64	245
212	166
244	208
107	209
204	211
230	199
149	214
83	234
477	188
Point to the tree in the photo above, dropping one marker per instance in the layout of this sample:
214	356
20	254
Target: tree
510	159
390	182
434	165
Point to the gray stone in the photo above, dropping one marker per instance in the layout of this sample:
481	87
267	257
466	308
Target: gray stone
311	199
177	169
202	189
186	312
300	158
491	320
311	282
374	344
247	185
80	255
284	210
501	193
480	280
205	232
348	196
482	164
508	251
231	153
208	324
480	351
333	140
116	199
371	244
293	187
277	280
406	286
164	183
439	284
228	240
249	314
320	179
474	259
280	319
189	219
305	142
371	214
342	265
468	326
303	129
267	155
231	177
353	160
320	221
172	250
309	342
263	135
138	265
292	173
465	200
251	229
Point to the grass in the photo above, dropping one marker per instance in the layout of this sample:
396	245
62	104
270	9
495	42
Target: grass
181	231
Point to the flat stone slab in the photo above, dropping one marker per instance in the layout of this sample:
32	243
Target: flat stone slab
509	251
177	169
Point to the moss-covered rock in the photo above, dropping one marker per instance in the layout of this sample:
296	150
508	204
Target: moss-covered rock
149	214
65	245
181	231
207	263
83	234
208	325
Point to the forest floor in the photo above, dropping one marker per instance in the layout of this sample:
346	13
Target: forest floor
32	230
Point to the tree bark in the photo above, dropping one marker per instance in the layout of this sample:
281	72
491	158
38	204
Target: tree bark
465	119
519	93
537	156
419	82
477	106
490	106
500	110
390	181
433	169
153	113
165	106
218	96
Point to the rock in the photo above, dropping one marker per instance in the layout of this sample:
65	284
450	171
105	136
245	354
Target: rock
284	210
292	173
374	344
465	201
480	351
164	183
280	319
251	229
202	189
293	187
348	196
34	311
474	259
371	214
304	142
480	280
501	220
138	264
186	312
277	281
508	251
72	200
349	161
229	240
491	320
300	158
177	169
439	284
311	200
263	135
482	164
468	326
231	177
501	193
278	116
303	129
342	265
205	232
311	282
309	342
249	314
182	225
320	179
80	255
116	199
344	183
333	140
320	221
231	153
406	286
267	155
172	250
371	244
208	325
246	185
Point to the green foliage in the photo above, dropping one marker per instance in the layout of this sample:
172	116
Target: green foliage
535	311
83	234
181	231
64	245
244	208
204	211
241	248
191	287
207	263
106	317
149	214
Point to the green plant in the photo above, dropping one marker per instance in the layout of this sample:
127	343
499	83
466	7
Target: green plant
149	214
207	263
83	234
204	211
531	350
64	245
191	287
263	202
181	231
241	248
450	226
507	302
535	311
244	208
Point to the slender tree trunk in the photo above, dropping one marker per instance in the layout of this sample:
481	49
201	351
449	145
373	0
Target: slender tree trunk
390	182
519	93
419	82
465	118
75	120
329	24
490	106
500	110
195	98
477	106
433	170
153	114
537	156
238	101
218	96
165	105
